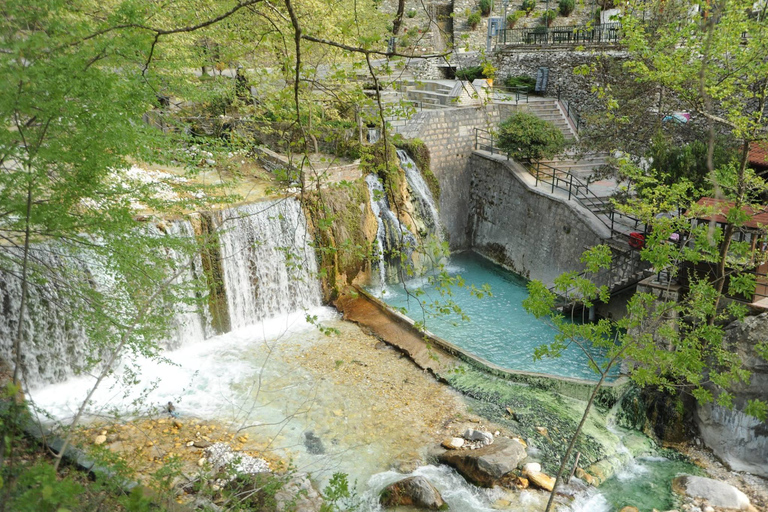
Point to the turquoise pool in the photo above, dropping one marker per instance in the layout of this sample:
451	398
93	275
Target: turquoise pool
499	329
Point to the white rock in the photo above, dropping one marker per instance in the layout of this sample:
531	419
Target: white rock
478	435
717	493
532	467
100	439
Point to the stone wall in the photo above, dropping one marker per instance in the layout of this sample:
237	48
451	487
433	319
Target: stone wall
535	234
740	440
561	63
450	137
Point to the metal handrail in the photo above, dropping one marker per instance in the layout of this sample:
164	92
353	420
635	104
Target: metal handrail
604	33
562	180
520	92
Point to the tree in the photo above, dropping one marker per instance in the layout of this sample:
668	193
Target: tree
715	63
524	136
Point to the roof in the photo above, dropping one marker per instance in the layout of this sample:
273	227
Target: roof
721	206
758	153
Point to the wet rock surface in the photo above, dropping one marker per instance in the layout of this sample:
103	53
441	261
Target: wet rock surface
715	492
415	491
487	465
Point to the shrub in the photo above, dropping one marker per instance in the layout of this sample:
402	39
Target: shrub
485	7
470	73
528	82
549	16
411	13
474	20
566	7
512	18
524	136
528	6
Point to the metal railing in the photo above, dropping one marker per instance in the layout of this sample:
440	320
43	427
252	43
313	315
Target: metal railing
570	183
519	93
571	113
604	33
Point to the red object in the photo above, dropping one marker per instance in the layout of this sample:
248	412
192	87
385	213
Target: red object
636	240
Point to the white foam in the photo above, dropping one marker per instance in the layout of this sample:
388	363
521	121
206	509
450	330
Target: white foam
201	378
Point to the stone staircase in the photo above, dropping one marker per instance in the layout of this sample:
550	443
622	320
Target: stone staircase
430	93
549	109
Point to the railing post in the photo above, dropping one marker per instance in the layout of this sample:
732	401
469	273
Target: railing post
611	222
570	185
553	181
476	146
537	175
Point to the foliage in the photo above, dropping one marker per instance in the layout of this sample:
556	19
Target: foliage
337	495
528	82
471	73
411	13
566	7
485	7
419	151
513	18
524	136
474	19
548	17
528	6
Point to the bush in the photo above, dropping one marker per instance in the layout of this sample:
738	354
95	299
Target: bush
474	20
524	136
566	7
470	73
485	7
528	6
549	16
512	18
411	13
521	81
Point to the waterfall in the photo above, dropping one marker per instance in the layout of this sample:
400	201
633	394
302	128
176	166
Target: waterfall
190	322
393	238
421	196
269	266
54	344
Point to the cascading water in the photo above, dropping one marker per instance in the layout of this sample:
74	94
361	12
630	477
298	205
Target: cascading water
392	237
191	323
269	266
421	196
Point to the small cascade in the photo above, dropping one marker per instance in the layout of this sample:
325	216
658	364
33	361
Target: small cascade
392	237
54	344
269	266
421	196
191	322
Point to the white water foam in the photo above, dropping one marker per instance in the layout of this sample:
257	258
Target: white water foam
201	378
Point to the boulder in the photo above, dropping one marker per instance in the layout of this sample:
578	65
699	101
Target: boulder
313	443
532	467
541	480
415	491
486	465
629	509
478	435
298	495
717	493
452	443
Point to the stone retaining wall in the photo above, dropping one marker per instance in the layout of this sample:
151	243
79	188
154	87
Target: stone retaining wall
536	234
450	137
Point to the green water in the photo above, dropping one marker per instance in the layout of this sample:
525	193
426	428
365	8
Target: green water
646	483
499	329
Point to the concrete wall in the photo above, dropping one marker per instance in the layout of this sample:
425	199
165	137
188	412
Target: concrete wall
534	233
450	137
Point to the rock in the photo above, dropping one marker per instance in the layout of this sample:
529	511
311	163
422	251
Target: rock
486	465
200	444
717	493
521	482
298	495
532	467
100	439
478	435
223	458
541	480
415	491
629	509
543	431
313	443
708	508
453	443
209	161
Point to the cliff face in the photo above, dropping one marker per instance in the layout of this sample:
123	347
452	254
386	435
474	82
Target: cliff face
740	440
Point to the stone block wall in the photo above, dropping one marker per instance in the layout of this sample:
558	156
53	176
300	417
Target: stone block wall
561	63
450	137
537	235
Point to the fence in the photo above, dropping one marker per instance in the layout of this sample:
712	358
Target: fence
605	33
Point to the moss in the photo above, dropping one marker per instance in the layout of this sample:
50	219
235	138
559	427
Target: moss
420	154
214	274
533	408
341	242
382	161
